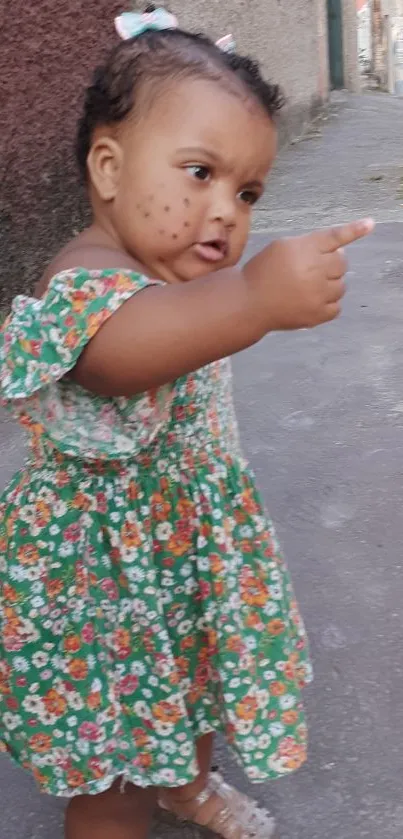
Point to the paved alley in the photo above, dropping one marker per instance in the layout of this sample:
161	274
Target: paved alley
345	166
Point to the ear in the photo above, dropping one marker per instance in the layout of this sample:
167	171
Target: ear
104	165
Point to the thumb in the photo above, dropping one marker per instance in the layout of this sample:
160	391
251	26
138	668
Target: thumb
334	238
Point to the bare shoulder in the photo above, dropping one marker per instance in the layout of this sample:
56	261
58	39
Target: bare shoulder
80	254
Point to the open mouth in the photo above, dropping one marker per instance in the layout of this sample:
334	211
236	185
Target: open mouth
213	250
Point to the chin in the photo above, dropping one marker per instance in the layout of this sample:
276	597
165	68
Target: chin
204	270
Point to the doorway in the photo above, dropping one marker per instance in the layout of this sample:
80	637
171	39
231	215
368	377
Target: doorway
335	33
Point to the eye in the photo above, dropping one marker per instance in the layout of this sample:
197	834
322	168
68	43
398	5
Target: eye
201	173
248	196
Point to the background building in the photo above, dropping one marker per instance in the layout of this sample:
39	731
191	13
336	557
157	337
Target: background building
380	43
364	34
47	53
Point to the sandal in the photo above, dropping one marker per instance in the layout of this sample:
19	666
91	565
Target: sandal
223	810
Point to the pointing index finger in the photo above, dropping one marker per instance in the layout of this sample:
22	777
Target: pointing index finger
334	238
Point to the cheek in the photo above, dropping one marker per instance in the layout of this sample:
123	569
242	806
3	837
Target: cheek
240	237
174	219
155	211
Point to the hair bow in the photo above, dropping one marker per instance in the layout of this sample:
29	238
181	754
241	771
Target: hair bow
130	24
226	44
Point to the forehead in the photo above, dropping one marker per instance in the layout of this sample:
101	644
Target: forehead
213	115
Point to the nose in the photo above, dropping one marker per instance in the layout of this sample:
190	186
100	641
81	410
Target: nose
224	205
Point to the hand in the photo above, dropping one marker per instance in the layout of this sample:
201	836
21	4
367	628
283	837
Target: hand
300	280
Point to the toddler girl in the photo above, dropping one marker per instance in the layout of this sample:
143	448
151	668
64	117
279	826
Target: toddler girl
145	604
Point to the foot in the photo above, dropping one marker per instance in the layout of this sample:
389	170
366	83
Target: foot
223	810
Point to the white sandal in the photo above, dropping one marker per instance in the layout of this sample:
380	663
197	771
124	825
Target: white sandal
231	814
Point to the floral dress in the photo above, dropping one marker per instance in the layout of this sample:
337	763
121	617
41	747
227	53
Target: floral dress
144	601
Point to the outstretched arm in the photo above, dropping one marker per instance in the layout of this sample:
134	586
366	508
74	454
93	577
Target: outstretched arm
165	332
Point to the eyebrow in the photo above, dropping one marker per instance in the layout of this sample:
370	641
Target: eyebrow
254	185
200	150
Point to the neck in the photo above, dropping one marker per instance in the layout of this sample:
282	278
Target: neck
99	235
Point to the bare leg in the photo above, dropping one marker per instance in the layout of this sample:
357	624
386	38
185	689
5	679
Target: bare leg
112	814
183	800
209	801
204	748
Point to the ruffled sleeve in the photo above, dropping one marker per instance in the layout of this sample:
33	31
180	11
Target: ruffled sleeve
42	340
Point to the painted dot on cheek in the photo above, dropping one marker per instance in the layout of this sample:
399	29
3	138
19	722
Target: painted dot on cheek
186	224
186	202
174	235
146	215
167	209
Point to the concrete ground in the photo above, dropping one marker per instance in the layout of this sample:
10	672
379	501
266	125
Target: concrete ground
322	419
348	164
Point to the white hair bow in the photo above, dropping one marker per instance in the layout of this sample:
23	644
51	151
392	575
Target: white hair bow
130	24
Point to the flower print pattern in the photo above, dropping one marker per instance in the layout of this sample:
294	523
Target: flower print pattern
144	601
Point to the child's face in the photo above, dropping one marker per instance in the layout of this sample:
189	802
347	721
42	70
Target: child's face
189	173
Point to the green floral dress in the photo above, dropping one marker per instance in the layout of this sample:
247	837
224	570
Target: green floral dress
144	601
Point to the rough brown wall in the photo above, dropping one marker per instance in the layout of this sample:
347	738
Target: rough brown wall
47	52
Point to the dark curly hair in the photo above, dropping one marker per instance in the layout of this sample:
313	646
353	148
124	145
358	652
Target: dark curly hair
144	63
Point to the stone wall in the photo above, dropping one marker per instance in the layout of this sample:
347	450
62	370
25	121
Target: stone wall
323	49
46	55
284	35
350	46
